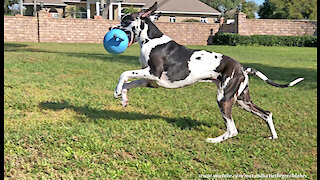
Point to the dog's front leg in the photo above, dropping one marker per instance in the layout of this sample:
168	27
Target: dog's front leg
134	84
125	76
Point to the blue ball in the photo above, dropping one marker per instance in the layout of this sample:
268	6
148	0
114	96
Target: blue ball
115	41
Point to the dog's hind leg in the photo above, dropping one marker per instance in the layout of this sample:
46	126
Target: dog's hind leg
134	84
226	111
244	101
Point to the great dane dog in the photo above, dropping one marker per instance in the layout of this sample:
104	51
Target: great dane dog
168	64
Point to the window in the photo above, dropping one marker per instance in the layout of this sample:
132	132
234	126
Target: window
54	15
172	19
54	12
204	19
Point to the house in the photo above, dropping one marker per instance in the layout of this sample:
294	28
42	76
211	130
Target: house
179	11
171	10
56	7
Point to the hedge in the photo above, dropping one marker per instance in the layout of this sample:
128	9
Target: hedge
233	39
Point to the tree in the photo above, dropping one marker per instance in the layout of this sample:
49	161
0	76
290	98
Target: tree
7	4
129	10
250	8
288	9
76	12
223	6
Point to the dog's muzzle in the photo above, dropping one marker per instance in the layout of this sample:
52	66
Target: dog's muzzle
130	34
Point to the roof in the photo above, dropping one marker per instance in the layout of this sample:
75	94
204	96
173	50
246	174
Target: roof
183	7
45	2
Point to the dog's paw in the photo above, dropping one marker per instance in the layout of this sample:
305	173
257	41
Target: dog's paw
117	93
213	140
273	137
124	103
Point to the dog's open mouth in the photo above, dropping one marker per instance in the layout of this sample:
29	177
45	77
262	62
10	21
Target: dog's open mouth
130	37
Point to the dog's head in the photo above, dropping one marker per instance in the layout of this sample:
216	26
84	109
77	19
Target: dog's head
133	24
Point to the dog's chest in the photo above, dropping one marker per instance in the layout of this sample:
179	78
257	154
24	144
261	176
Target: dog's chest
146	49
143	62
143	59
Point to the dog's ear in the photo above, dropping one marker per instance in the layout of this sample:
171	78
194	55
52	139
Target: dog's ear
149	11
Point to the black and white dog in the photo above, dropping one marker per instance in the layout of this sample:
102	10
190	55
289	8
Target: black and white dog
168	64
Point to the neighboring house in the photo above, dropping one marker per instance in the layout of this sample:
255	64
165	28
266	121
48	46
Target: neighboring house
180	10
56	7
171	10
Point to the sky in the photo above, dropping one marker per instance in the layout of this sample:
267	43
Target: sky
259	2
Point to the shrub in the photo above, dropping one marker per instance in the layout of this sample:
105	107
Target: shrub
233	39
129	10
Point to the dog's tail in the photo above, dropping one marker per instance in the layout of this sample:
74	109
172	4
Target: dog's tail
266	79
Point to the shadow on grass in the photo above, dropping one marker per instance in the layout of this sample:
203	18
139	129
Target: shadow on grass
13	47
93	114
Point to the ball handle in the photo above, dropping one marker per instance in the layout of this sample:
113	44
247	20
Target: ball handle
115	37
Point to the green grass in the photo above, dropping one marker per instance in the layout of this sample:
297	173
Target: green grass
61	120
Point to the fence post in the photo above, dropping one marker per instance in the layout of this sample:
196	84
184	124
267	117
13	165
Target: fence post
221	21
240	21
43	17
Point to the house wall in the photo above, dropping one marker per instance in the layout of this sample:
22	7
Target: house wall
115	12
163	19
181	18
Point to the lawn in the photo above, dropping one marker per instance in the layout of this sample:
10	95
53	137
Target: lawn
61	120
